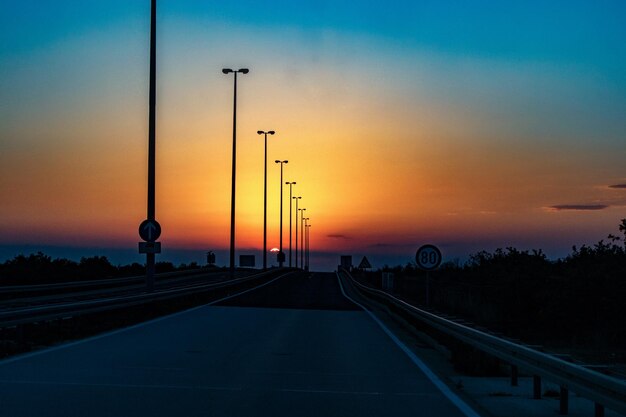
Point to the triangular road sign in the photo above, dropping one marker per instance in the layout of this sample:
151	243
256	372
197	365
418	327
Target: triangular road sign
365	264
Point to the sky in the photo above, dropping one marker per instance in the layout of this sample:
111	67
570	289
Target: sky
469	125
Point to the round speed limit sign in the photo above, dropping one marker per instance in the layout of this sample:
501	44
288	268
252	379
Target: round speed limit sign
428	257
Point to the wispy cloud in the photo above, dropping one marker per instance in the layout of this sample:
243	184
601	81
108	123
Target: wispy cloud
338	236
618	186
578	207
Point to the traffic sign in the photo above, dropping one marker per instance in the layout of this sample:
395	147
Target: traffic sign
210	258
149	247
365	264
149	230
428	257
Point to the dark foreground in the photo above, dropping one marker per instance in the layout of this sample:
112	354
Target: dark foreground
293	347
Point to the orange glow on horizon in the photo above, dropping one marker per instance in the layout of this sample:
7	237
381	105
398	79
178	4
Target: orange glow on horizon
382	159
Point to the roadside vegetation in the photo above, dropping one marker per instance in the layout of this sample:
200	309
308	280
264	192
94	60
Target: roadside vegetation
39	268
574	302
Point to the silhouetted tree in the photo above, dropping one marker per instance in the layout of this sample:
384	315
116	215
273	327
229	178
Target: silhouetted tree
96	267
164	267
577	300
39	268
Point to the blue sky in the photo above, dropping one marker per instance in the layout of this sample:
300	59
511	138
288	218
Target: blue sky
575	31
482	116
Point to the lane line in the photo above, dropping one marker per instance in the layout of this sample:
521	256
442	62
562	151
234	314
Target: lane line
139	386
445	390
125	329
213	388
365	393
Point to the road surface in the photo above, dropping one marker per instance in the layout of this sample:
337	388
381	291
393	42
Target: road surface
295	347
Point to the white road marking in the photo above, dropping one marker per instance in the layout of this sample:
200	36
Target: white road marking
125	329
140	386
210	388
445	390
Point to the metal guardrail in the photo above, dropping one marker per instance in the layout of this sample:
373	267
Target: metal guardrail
50	312
603	389
74	285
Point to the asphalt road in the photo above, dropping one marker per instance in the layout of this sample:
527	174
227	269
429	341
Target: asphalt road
295	347
304	291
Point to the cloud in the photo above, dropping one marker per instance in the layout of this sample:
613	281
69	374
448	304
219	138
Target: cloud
338	236
618	186
579	207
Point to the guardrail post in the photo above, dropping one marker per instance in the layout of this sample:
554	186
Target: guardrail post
599	410
536	387
514	375
564	398
610	391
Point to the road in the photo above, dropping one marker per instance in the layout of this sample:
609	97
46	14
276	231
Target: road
295	347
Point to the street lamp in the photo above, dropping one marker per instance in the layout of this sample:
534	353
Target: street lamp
302	237
303	250
297	209
232	195
304	229
260	132
281	254
290	184
308	252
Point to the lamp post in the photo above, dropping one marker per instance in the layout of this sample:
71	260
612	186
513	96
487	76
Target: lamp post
281	254
304	231
302	237
260	132
308	251
297	209
232	195
290	184
149	229
150	257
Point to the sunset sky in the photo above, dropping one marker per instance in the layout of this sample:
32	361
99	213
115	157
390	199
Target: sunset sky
469	125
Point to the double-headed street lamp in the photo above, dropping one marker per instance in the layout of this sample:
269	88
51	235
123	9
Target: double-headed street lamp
232	196
260	132
307	239
302	237
281	254
297	209
290	184
304	228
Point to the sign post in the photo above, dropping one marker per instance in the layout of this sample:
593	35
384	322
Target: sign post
428	257
149	229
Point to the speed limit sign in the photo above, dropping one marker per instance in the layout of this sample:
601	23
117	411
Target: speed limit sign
428	257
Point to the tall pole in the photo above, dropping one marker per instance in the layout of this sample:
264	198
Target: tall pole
297	209
291	184
150	257
304	233
302	237
234	167
260	132
308	251
265	208
232	192
281	254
